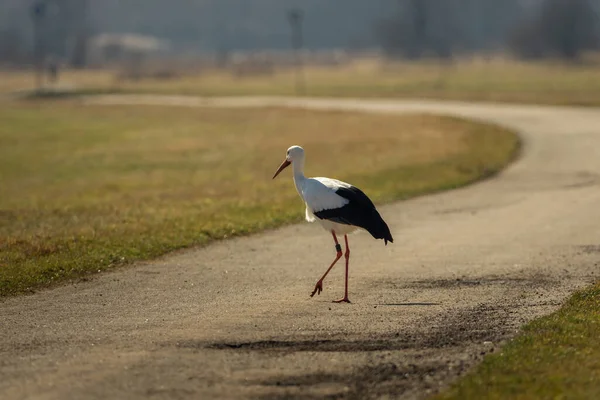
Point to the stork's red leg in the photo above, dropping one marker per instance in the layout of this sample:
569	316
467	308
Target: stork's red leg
338	248
347	256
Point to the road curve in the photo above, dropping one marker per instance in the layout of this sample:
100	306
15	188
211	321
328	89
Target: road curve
234	319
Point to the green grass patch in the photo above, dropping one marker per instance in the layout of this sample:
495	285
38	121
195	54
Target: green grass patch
555	357
86	189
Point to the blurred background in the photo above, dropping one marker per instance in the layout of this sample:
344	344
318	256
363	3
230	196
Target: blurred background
92	184
467	49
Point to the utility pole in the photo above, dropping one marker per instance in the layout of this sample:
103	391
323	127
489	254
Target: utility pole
38	12
80	33
295	17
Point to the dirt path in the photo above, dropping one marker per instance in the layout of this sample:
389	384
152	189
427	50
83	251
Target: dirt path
234	320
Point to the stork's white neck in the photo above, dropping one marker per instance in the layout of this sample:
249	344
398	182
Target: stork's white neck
298	167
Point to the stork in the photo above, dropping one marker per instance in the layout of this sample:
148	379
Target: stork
338	206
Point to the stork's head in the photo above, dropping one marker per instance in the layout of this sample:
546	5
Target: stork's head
294	154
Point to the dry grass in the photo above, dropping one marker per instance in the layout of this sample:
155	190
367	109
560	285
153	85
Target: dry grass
85	189
15	81
478	79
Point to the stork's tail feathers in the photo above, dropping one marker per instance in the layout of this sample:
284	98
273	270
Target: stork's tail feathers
379	229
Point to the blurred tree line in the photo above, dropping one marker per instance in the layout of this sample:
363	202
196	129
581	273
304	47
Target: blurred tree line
62	25
434	28
406	28
197	26
529	29
561	28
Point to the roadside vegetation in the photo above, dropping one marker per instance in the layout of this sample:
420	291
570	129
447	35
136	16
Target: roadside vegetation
555	357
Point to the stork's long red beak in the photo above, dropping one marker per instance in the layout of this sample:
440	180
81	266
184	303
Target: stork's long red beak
283	166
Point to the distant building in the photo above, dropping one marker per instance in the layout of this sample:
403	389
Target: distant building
110	48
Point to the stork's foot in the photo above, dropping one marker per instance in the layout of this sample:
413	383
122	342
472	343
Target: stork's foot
344	300
318	288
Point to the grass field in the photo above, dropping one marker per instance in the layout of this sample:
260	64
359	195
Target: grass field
86	189
479	80
555	357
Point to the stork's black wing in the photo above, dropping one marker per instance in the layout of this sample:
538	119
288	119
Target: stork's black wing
360	211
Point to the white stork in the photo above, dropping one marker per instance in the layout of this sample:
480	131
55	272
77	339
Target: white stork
338	206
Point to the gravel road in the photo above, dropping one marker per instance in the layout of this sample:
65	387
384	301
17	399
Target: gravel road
235	320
